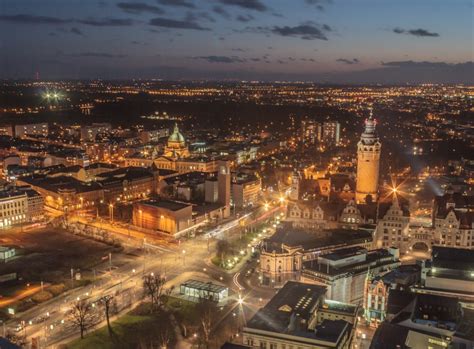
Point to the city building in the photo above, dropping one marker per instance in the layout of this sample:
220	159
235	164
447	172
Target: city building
426	321
164	215
453	220
176	146
39	129
309	132
153	136
331	133
378	287
298	316
89	133
246	190
19	207
6	130
224	186
282	255
195	290
449	272
344	271
368	163
313	214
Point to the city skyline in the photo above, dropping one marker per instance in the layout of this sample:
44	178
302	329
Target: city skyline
325	41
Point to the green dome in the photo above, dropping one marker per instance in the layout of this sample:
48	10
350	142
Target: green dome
176	136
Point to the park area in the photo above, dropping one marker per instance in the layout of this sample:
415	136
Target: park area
175	323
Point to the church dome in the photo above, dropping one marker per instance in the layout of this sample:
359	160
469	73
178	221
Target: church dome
176	136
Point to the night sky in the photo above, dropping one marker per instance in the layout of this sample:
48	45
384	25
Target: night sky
353	41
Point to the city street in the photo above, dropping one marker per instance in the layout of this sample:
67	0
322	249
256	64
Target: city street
188	259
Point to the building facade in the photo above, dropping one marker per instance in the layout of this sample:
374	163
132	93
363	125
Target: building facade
368	163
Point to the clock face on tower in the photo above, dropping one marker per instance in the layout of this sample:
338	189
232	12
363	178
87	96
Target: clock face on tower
223	170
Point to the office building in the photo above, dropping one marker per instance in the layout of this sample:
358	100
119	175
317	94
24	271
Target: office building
298	316
344	271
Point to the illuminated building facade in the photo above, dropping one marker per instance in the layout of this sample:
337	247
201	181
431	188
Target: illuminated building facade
368	163
163	215
176	145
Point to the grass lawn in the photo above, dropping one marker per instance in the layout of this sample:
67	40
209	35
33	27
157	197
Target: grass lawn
129	332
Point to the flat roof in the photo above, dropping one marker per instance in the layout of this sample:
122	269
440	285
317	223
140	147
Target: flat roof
345	253
294	299
207	286
167	204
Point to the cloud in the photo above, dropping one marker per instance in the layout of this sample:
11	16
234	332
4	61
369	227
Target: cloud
107	22
414	64
221	59
194	17
245	18
221	11
101	22
76	31
177	3
320	4
238	49
173	23
347	61
415	32
139	7
97	54
306	31
255	5
32	19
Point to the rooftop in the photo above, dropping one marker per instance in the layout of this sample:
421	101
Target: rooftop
166	204
295	299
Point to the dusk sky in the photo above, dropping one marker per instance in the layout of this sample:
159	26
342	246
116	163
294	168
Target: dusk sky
313	40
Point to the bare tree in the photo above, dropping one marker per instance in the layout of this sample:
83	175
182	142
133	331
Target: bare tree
208	318
108	303
82	315
154	288
223	248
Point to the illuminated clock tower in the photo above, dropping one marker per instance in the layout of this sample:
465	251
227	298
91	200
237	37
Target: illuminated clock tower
368	163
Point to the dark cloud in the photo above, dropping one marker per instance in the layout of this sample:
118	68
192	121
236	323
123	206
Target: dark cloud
307	31
347	61
173	23
238	49
139	8
194	17
76	31
413	64
221	11
415	32
32	19
177	3
221	59
320	4
107	22
135	42
98	22
97	54
244	18
255	5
